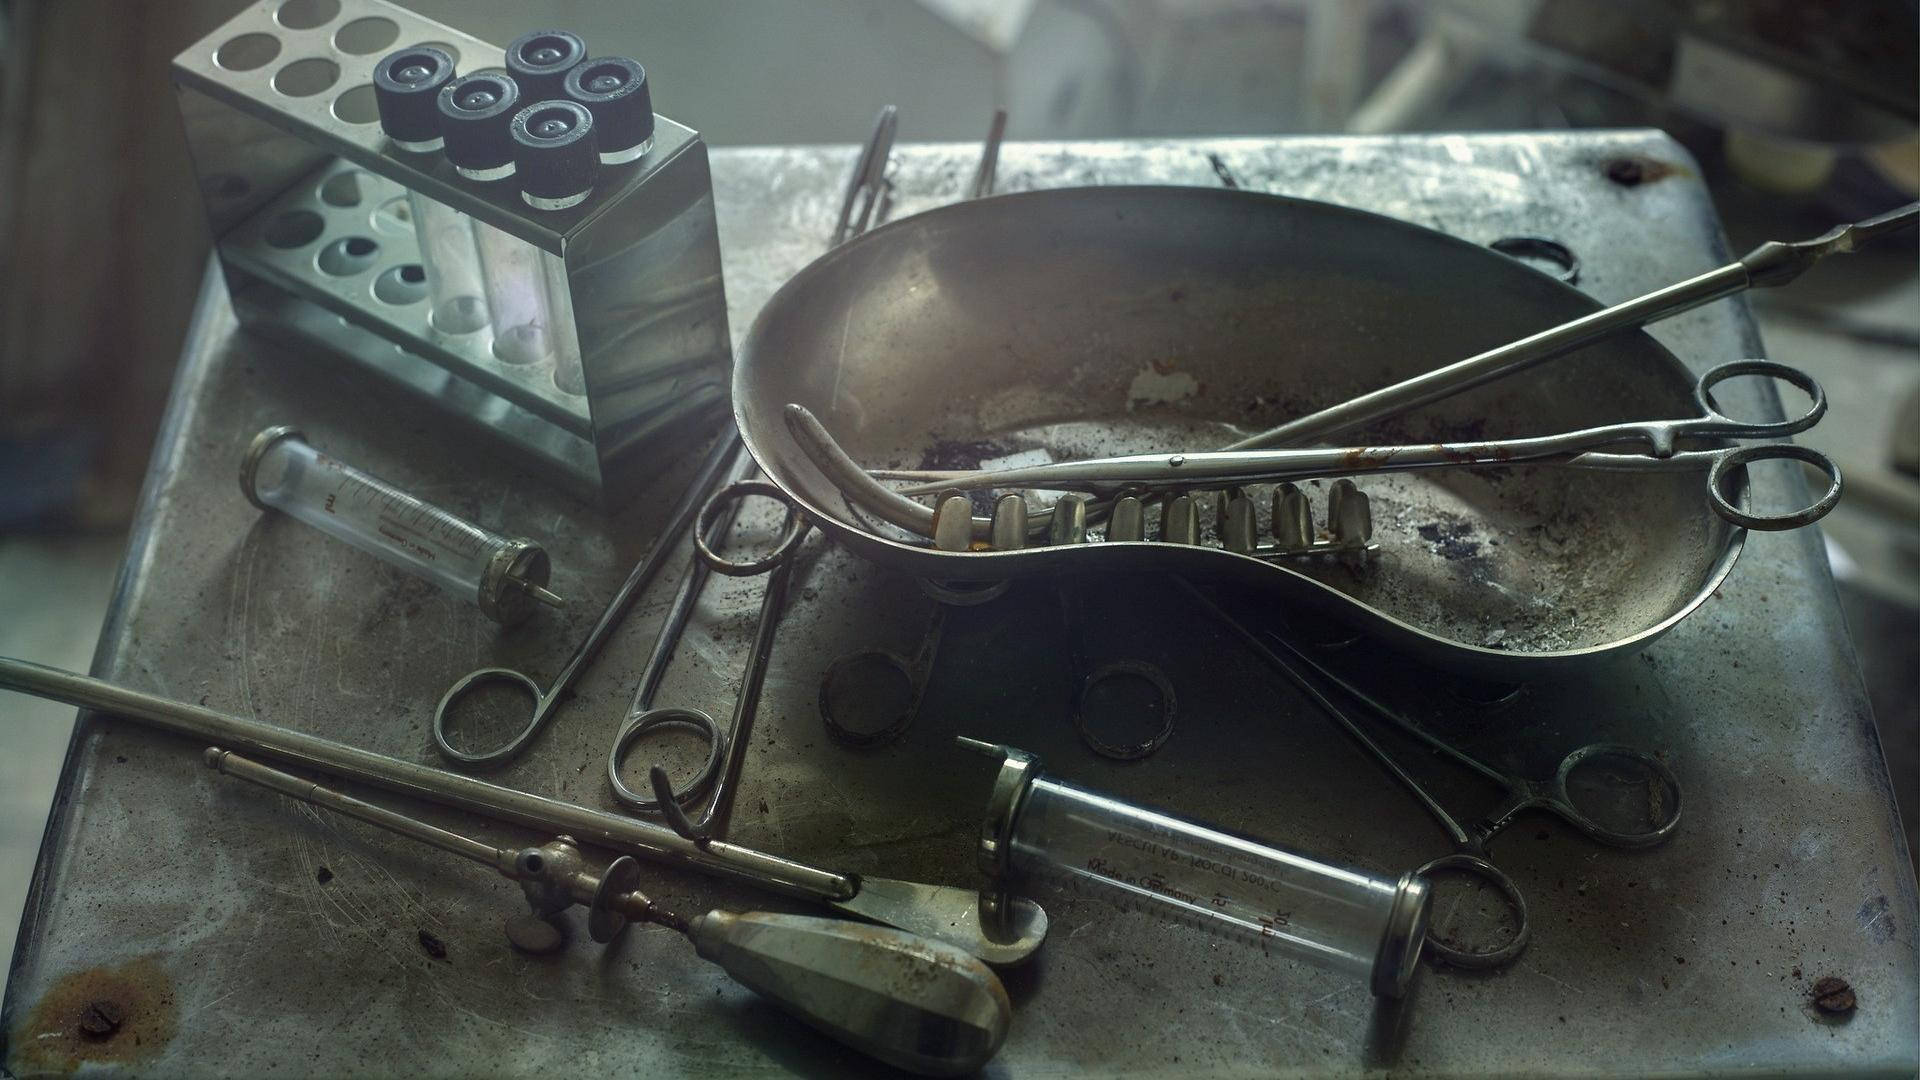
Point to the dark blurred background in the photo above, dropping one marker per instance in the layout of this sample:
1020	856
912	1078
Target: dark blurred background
1801	112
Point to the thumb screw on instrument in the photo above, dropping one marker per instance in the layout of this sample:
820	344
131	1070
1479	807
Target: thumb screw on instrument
614	89
556	153
539	62
406	85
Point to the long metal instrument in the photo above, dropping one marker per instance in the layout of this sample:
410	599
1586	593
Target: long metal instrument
1141	473
917	1004
939	912
1772	263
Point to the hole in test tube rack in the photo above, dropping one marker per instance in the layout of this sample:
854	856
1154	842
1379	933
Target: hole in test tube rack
401	285
305	78
366	35
247	52
358	105
342	189
307	14
393	216
349	255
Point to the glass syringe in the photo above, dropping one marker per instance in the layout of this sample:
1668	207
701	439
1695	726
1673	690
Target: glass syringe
1283	902
503	575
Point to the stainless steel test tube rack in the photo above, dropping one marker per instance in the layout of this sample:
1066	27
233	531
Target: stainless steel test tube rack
313	212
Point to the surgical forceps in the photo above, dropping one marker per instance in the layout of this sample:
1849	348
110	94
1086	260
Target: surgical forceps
869	189
727	753
1660	438
716	519
1771	264
1652	783
547	700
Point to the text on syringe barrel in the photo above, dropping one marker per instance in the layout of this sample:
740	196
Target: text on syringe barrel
1284	903
372	515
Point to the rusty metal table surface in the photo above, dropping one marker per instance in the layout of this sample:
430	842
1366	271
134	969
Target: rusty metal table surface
246	932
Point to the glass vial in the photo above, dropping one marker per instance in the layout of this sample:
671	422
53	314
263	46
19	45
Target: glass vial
515	276
452	263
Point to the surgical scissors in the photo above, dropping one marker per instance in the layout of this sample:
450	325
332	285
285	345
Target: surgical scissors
716	519
547	700
1653	785
1660	439
727	753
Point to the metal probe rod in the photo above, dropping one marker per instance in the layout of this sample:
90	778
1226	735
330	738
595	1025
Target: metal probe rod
424	782
1772	263
941	912
307	791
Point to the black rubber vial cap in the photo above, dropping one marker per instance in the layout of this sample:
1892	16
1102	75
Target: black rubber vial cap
475	111
555	153
614	90
539	62
405	84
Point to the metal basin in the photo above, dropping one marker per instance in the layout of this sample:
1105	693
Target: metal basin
1132	319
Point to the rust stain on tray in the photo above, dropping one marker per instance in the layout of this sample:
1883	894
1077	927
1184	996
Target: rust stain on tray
118	1015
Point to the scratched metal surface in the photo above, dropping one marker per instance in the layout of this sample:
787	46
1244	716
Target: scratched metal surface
1692	958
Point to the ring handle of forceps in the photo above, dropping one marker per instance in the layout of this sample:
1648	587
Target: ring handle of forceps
793	529
1554	798
1714	422
1506	954
915	671
543	704
1740	457
653	719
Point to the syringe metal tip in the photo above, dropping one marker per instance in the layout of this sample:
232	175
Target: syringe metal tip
980	746
545	596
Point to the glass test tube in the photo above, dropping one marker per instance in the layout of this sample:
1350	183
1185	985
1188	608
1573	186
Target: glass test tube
502	575
1280	901
515	278
452	264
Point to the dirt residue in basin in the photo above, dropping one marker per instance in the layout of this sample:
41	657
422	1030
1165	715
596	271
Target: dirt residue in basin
118	1015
